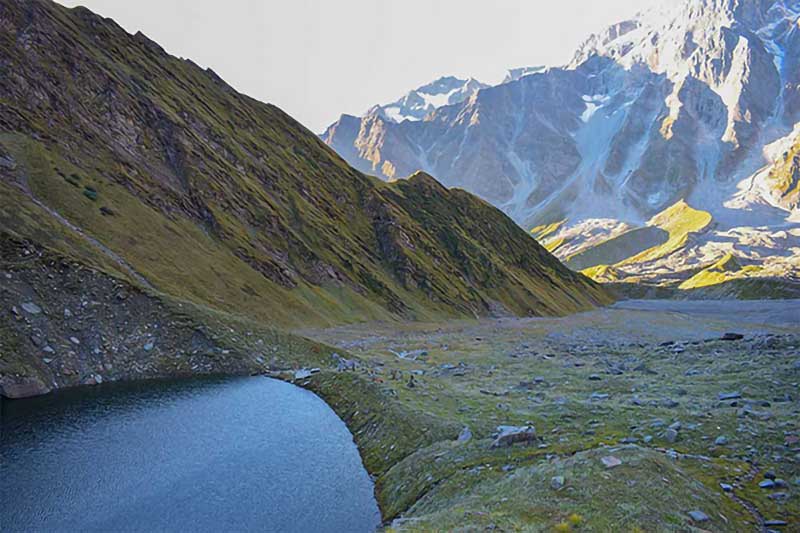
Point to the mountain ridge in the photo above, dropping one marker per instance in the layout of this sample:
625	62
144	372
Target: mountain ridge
689	101
219	199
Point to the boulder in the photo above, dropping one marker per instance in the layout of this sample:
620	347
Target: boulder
22	387
510	435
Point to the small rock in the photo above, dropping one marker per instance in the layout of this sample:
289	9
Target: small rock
671	435
698	516
726	487
721	440
557	482
776	523
465	435
149	346
67	313
304	373
509	435
31	308
594	377
74	340
609	461
769	474
732	337
48	349
47	360
767	484
722	396
598	396
779	496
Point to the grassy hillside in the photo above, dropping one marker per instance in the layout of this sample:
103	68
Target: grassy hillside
784	177
678	221
146	165
619	248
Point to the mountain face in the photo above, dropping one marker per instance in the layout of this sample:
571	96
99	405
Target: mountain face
148	167
416	104
354	138
695	101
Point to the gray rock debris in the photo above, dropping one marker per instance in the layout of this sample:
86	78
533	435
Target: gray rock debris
510	435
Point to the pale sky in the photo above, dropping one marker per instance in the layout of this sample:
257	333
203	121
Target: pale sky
316	59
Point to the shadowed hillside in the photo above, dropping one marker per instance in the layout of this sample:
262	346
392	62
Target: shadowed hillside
144	164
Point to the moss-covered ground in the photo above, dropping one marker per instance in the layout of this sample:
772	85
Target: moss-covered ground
594	385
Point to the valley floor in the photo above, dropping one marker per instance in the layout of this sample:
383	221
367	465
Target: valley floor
649	383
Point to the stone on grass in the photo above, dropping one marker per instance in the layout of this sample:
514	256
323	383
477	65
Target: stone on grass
727	487
557	482
610	461
510	435
465	435
698	516
721	440
732	337
671	435
767	484
304	373
31	308
722	396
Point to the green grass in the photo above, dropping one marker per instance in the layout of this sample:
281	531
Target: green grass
444	485
678	221
224	201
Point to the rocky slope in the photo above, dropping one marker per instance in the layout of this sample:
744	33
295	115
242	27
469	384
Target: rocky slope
144	165
690	101
418	103
65	324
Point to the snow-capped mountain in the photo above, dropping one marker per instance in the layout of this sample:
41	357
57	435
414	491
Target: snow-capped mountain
694	101
516	73
416	104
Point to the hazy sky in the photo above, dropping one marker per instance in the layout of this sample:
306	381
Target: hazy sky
319	58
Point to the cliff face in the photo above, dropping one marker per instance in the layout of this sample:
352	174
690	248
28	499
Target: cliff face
143	164
694	101
677	103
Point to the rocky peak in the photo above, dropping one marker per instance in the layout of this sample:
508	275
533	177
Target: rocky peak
419	102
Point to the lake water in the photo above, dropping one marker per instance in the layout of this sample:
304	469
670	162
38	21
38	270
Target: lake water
242	454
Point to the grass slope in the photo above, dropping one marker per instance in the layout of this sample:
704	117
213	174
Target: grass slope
678	220
220	200
619	248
